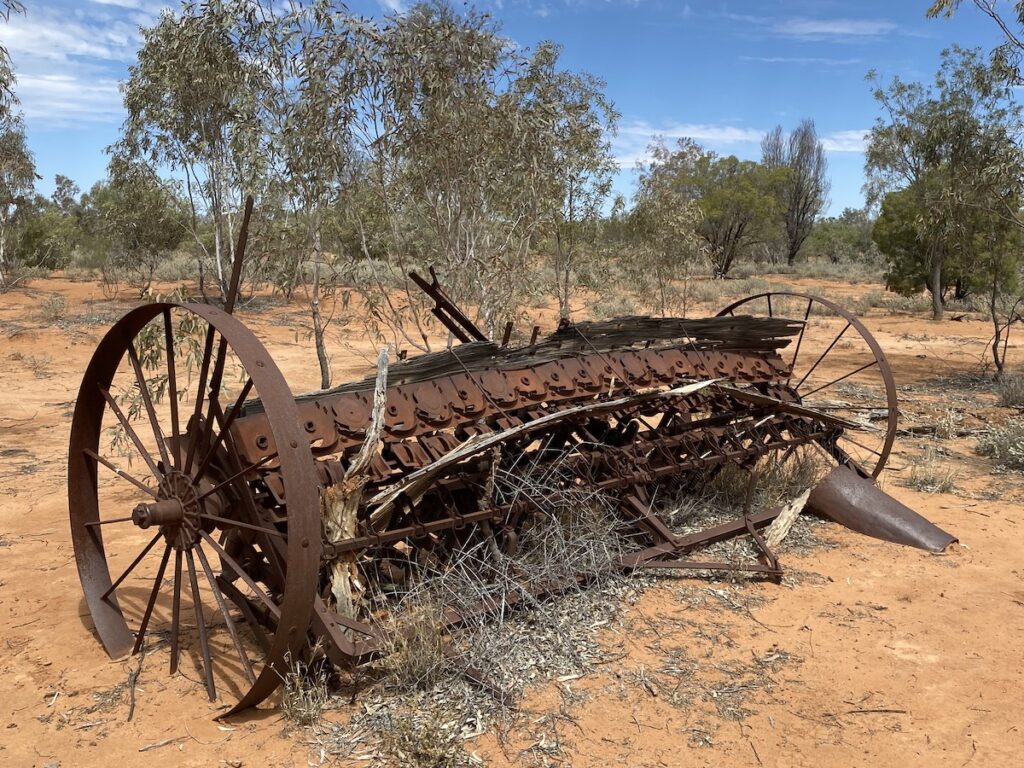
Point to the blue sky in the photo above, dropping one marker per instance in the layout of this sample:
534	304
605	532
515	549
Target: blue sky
720	72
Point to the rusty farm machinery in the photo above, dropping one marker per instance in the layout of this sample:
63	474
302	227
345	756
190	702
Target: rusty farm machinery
258	499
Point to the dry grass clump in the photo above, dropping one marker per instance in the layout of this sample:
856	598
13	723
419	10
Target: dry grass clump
948	424
53	308
1011	391
930	474
777	482
415	658
305	693
1005	444
424	741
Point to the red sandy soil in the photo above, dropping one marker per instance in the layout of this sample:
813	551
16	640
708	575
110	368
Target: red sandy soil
896	657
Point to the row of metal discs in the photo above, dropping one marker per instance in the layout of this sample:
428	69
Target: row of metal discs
467	401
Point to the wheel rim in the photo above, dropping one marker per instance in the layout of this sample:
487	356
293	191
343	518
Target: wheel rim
190	496
836	366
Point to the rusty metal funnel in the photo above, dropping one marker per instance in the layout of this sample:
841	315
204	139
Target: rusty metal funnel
860	505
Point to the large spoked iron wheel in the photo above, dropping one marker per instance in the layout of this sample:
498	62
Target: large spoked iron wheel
166	519
836	367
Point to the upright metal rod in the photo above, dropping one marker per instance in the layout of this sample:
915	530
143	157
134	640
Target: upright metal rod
236	264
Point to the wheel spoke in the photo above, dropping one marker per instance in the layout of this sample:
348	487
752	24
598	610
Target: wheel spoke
769	297
824	354
225	426
204	370
176	611
172	386
842	378
108	522
141	636
147	401
129	431
228	621
130	568
240	524
211	688
240	572
799	341
119	472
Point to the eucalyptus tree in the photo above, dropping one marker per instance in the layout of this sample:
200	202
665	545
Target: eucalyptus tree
663	248
954	148
573	123
470	147
139	217
192	99
17	180
1009	54
315	73
7	97
803	190
737	199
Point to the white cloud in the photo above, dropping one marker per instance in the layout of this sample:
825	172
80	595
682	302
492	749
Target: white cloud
151	6
397	6
798	28
631	144
53	37
67	99
819	29
845	141
817	60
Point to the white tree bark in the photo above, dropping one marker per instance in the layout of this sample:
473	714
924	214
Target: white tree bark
340	503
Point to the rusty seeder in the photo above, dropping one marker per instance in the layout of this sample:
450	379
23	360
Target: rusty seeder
234	488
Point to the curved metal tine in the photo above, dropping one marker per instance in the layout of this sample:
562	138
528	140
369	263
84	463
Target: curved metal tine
211	688
130	568
240	572
228	621
130	432
240	524
172	387
842	378
147	401
120	472
204	370
225	425
845	458
861	445
799	341
176	611
152	601
823	354
239	474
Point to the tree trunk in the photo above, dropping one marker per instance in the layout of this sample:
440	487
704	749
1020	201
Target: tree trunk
563	271
792	252
997	336
341	502
3	263
314	305
936	288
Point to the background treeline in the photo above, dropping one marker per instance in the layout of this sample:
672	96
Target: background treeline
374	147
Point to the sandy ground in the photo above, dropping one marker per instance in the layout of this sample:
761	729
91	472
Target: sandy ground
875	655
